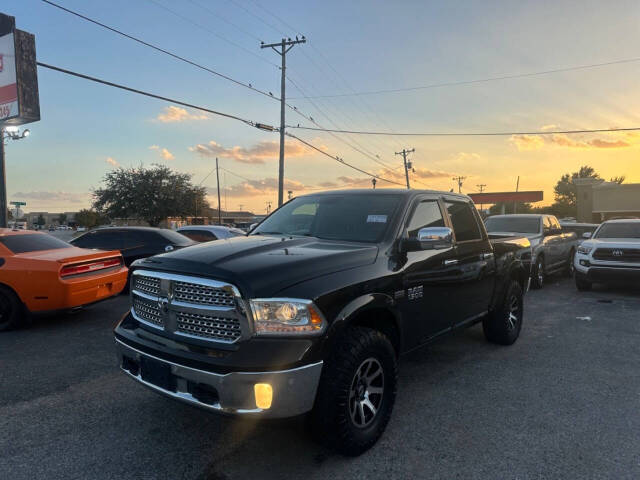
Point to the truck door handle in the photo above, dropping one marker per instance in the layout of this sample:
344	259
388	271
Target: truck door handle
451	261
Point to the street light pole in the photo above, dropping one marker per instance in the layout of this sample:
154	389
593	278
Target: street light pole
3	184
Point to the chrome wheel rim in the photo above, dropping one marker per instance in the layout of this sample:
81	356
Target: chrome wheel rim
366	392
513	316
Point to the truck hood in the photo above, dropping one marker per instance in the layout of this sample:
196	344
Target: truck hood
263	265
612	242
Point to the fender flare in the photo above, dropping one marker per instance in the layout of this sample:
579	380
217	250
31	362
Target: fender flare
360	305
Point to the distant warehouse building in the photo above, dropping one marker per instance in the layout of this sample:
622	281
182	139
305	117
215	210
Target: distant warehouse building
598	200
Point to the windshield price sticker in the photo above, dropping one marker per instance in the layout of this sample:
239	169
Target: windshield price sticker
377	219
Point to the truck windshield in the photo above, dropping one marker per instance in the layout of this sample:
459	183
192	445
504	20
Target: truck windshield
513	224
356	218
618	230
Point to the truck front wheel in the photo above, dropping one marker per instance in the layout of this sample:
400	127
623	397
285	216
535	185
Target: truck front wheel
503	324
357	391
11	311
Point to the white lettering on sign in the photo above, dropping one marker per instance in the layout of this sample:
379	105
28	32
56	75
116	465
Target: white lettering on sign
377	219
8	84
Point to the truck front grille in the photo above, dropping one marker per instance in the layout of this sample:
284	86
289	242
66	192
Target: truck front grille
148	311
202	294
199	308
629	255
207	326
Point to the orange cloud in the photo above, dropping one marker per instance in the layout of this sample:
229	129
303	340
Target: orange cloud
164	153
534	142
111	161
527	142
257	154
172	114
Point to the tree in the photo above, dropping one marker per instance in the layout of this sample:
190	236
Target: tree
62	218
89	218
151	194
40	221
619	179
9	214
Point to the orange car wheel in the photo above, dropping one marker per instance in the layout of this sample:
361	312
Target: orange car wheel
11	309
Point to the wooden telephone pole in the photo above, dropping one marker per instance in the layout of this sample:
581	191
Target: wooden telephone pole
407	165
281	49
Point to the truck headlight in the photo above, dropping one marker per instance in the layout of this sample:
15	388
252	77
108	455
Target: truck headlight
286	316
584	250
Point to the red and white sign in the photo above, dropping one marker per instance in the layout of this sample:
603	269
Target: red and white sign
8	85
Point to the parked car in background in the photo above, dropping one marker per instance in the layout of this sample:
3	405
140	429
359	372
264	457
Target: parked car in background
42	273
81	229
552	249
311	311
207	233
612	254
133	242
579	229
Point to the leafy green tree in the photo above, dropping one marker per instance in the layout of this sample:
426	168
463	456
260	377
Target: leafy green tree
9	214
62	218
40	220
89	218
151	194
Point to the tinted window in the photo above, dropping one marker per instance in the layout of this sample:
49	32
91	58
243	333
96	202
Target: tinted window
358	218
131	239
198	235
102	239
464	221
171	237
32	243
619	230
513	224
427	214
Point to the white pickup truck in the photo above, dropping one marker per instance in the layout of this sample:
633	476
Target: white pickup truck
612	254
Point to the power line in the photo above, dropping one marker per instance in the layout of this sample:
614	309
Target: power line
481	80
147	94
340	160
160	49
217	15
467	134
212	32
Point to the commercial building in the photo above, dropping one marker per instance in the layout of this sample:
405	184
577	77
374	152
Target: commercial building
49	218
598	200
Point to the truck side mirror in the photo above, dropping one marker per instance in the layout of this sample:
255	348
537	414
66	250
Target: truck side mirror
429	238
586	235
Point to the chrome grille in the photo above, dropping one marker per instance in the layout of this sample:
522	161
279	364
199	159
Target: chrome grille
207	326
189	307
148	311
202	294
148	285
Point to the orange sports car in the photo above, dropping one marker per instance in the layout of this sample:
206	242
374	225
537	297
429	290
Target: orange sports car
39	273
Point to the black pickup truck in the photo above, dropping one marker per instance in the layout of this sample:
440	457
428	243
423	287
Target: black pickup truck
311	310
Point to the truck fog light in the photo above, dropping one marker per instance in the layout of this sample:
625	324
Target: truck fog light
264	395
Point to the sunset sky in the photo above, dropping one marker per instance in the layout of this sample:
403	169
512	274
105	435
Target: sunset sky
87	129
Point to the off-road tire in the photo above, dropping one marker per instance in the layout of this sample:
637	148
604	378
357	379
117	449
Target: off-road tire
582	285
11	309
331	421
503	324
538	276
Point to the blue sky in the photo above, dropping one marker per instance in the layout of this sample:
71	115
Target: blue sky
373	45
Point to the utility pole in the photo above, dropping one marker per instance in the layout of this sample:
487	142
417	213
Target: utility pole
515	204
240	205
268	207
481	188
407	165
218	188
459	179
3	184
284	46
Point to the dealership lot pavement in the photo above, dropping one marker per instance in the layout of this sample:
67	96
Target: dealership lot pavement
563	402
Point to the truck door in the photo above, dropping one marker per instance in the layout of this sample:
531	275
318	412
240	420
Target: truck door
428	278
474	259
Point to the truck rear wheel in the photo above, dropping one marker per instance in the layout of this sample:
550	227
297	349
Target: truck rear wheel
503	324
356	393
11	310
538	274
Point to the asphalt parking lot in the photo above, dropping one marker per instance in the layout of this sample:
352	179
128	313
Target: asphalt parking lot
563	402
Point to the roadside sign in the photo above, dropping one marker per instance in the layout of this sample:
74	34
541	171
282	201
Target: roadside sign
8	82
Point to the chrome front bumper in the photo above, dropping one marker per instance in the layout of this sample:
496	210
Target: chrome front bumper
294	390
